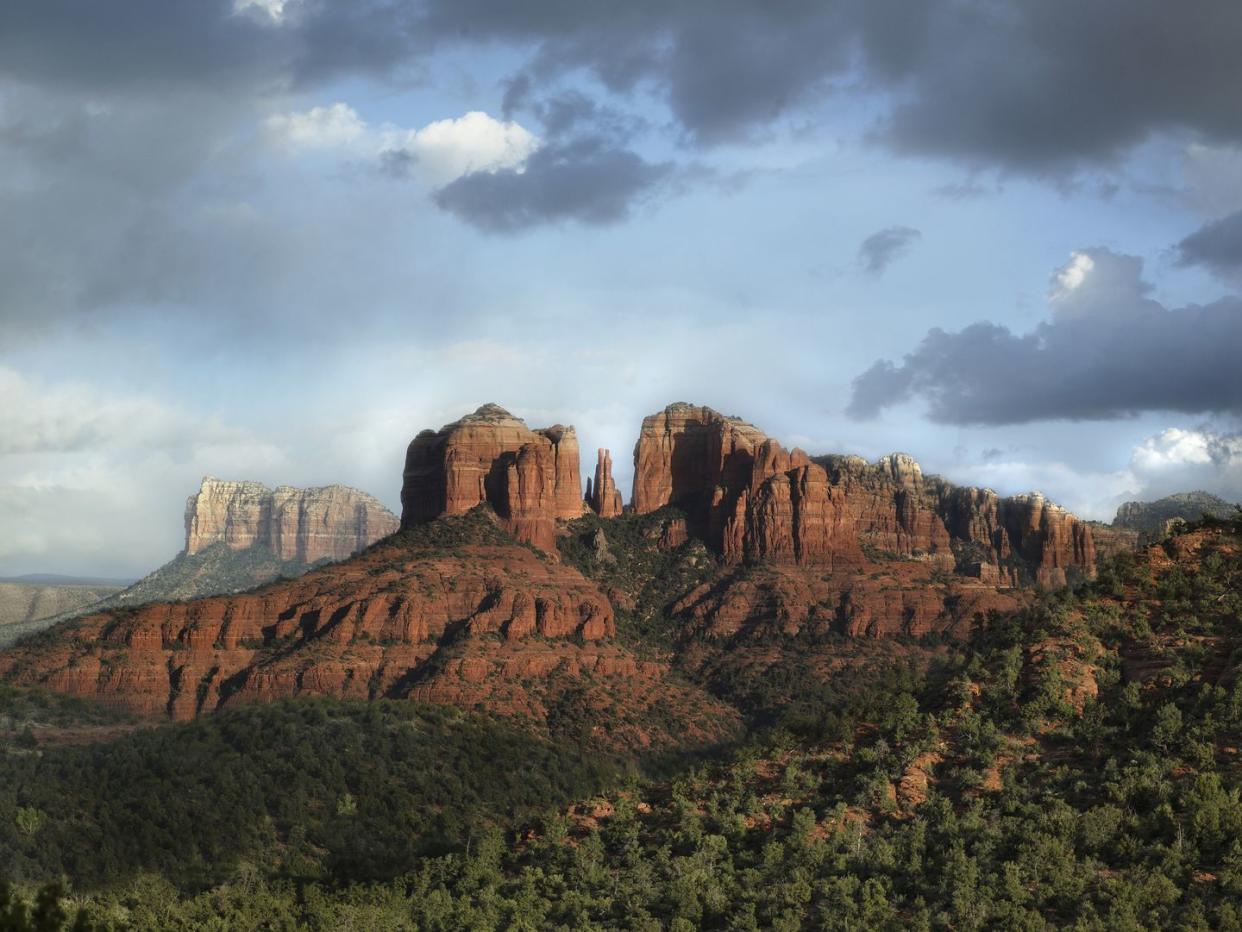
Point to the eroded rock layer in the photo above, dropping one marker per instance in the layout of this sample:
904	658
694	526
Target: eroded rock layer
529	477
365	628
752	501
743	493
302	525
1005	541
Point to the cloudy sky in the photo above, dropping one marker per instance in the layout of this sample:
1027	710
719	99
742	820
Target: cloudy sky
273	240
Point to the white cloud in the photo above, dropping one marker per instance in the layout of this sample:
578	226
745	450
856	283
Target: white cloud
1185	460
1072	275
1171	449
438	152
448	149
273	9
1176	459
93	481
328	127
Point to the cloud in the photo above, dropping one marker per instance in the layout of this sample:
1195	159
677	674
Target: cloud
1039	87
589	180
1216	245
318	128
438	152
94	479
447	149
1108	350
1042	88
1188	459
879	250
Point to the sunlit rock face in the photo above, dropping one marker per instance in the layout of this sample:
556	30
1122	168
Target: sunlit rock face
303	525
529	477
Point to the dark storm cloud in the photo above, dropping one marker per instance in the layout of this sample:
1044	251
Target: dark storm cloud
882	248
1038	86
588	180
1217	245
113	114
201	43
1107	351
1041	87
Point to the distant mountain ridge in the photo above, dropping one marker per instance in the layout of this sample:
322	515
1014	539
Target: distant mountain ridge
29	606
1154	518
61	579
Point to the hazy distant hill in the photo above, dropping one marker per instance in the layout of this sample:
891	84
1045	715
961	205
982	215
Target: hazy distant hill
23	605
1152	518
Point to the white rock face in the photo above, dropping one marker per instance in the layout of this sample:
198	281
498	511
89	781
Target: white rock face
333	522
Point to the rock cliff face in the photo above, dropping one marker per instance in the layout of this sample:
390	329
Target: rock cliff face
529	477
751	500
1111	540
360	628
603	496
1005	541
299	525
743	493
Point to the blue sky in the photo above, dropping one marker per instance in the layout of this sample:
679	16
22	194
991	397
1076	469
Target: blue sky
275	241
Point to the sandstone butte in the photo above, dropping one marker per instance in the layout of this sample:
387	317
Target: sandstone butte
752	501
474	617
529	477
304	525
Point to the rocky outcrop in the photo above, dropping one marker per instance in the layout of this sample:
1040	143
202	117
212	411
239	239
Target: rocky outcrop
760	603
368	627
745	495
1111	540
602	495
297	525
897	511
893	508
751	500
1153	520
529	477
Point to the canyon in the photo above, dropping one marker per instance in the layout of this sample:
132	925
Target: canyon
503	586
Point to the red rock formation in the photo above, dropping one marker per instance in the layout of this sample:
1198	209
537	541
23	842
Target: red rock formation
752	501
529	477
356	629
307	525
757	603
1111	540
893	509
603	496
743	493
1002	541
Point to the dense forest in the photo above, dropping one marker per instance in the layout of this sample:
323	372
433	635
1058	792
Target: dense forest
1076	766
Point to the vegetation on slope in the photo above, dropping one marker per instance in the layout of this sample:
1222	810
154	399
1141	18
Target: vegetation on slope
304	789
625	557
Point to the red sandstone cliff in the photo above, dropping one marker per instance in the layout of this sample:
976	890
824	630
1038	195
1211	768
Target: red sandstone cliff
529	477
750	500
359	628
1006	541
306	525
743	493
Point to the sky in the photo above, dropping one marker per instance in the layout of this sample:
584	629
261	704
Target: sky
273	240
